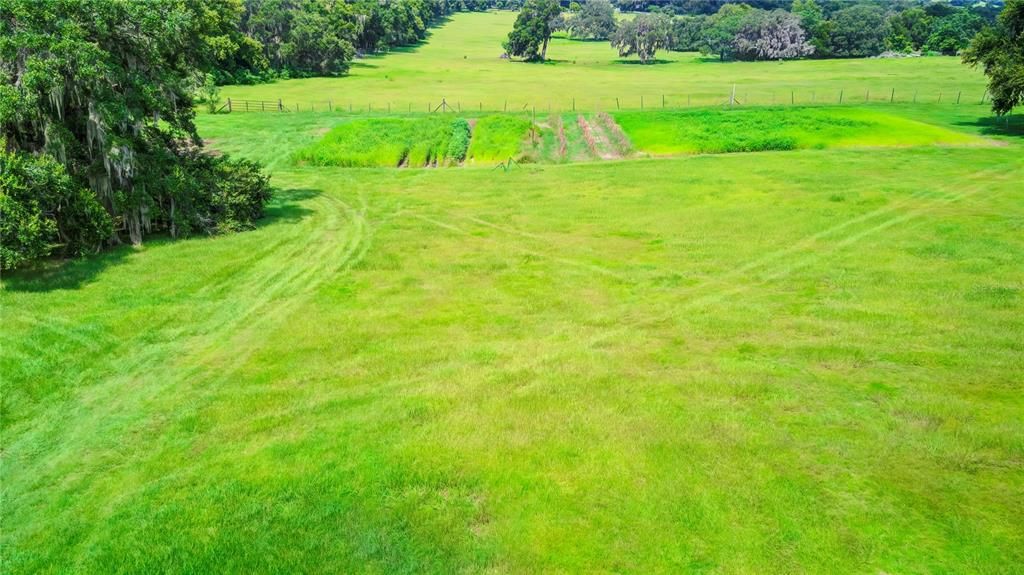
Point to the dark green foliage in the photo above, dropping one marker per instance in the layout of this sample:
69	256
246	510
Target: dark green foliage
858	31
817	28
774	35
721	28
302	38
686	33
643	36
595	19
953	33
908	30
532	30
210	195
459	142
1000	51
42	209
113	105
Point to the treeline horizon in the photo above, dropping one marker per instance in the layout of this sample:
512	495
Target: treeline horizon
282	39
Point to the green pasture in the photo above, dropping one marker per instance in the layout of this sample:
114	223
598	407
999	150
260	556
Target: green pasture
461	63
798	361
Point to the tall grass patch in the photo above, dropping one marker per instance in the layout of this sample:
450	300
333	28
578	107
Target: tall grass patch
498	137
382	142
761	129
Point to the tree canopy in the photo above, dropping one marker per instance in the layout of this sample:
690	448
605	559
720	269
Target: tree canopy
858	31
533	28
774	35
720	30
642	35
104	89
595	19
999	50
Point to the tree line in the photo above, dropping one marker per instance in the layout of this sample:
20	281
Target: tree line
97	141
754	30
280	39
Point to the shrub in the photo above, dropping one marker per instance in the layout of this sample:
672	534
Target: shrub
42	209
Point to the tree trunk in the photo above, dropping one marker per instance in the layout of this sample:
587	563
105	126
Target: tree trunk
544	50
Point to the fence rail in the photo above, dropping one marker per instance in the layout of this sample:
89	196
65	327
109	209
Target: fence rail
737	96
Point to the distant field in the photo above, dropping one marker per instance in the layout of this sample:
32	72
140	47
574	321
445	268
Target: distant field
759	129
461	62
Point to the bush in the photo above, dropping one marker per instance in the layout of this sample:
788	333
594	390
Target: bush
242	191
42	209
213	194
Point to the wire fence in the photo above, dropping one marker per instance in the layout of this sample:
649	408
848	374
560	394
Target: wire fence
737	96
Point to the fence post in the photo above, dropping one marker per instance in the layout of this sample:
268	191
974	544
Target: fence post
958	96
687	100
263	106
867	95
506	106
792	97
814	97
574	103
840	96
247	105
616	103
280	106
663	100
312	106
533	125
940	98
732	96
229	105
892	96
641	102
983	96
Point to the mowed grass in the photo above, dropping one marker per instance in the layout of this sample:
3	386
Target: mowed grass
760	129
385	142
804	361
462	63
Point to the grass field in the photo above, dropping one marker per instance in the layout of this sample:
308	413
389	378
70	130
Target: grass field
801	361
461	63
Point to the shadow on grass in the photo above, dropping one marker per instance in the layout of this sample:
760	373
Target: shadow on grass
1007	126
654	62
408	48
58	273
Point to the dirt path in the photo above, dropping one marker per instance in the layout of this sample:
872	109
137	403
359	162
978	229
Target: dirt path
597	139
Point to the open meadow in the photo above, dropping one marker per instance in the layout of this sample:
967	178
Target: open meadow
621	354
461	62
